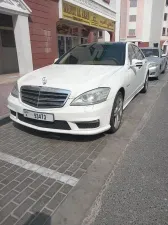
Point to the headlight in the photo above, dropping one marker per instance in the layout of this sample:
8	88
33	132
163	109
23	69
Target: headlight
153	65
15	91
91	97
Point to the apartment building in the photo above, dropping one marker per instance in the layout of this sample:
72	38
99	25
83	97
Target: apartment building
141	21
164	34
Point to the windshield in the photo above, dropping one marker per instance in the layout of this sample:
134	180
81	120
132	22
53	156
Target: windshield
150	52
95	54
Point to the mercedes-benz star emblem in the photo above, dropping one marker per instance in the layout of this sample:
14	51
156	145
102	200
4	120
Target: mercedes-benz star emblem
44	80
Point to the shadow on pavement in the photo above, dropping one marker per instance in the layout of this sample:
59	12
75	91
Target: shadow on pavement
38	219
56	136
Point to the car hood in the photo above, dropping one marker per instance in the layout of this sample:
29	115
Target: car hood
154	59
76	78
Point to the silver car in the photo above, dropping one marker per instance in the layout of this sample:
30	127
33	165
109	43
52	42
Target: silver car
157	61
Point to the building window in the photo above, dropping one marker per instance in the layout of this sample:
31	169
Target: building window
133	3
155	45
132	18
100	34
131	32
165	17
166	2
164	31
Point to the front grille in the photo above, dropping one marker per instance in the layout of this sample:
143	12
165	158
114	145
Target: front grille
44	97
57	124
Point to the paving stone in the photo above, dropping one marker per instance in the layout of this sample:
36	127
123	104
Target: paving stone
23	207
79	173
24	184
37	207
54	203
68	173
39	191
26	219
21	170
11	177
63	168
72	159
2	177
8	187
23	195
23	175
83	157
94	155
9	221
1	185
53	189
7	210
46	211
49	181
38	182
66	189
34	176
3	169
86	164
75	166
8	197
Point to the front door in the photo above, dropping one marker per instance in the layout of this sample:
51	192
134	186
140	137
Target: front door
140	71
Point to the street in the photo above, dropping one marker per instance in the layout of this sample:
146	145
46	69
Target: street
106	179
138	190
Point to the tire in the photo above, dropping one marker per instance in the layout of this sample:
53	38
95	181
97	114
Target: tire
145	88
165	69
116	114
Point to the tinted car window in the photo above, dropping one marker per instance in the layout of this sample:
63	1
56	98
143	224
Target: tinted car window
95	54
150	52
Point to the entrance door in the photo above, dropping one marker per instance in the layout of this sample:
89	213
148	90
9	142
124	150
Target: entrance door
8	54
65	43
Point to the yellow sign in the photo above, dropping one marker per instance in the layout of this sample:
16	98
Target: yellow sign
78	14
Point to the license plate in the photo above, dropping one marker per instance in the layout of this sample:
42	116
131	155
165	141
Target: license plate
38	115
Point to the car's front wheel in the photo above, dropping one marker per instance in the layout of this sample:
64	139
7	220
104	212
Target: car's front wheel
116	114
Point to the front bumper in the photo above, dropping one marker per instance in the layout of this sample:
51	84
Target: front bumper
154	71
77	120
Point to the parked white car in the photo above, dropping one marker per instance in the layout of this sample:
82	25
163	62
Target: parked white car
84	92
157	61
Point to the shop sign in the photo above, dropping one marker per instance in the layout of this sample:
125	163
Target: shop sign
77	14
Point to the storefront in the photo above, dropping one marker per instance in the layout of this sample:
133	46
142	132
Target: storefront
79	25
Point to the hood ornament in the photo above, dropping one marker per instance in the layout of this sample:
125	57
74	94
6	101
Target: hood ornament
44	80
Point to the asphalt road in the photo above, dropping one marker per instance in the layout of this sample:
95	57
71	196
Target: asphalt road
137	192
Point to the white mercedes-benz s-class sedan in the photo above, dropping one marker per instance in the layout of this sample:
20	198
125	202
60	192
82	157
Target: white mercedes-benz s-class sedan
84	92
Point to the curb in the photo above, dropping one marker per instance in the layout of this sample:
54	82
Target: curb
4	119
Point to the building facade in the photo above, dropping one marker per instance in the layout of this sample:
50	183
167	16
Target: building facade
34	33
164	33
141	21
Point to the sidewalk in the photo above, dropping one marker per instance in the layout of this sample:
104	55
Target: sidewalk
7	82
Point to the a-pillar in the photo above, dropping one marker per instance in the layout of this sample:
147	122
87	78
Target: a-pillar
23	46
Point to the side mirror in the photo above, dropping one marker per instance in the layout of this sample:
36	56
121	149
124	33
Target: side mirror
55	60
164	55
136	63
